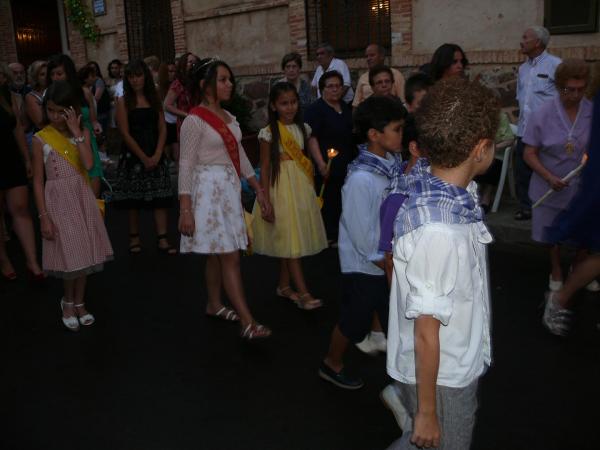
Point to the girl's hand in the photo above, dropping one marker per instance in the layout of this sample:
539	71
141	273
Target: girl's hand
323	170
186	225
47	228
155	159
426	432
148	163
73	121
556	183
266	210
97	128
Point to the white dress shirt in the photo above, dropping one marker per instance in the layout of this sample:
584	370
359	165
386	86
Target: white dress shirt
441	270
535	85
341	67
358	241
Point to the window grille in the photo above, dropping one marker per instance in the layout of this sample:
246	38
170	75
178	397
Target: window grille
348	25
149	29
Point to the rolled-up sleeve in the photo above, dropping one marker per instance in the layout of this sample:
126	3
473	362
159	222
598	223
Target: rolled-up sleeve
431	274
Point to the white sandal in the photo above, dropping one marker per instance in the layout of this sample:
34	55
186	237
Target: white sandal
86	319
70	322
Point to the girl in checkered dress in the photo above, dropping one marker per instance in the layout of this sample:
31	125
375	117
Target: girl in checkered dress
75	242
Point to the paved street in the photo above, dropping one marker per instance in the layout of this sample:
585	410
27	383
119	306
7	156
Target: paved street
154	374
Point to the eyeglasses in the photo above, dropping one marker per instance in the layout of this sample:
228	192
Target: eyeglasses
573	90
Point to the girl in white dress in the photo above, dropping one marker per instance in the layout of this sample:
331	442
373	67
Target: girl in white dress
211	220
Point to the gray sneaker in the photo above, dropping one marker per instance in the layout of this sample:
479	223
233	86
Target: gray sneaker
556	318
391	400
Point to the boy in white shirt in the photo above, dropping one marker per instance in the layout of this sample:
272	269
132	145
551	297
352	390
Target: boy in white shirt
378	122
439	322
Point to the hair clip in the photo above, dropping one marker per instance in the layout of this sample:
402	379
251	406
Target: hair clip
196	67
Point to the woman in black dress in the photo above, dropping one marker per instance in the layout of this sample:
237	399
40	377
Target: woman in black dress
143	179
15	168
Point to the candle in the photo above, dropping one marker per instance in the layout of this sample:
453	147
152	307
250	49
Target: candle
331	153
573	173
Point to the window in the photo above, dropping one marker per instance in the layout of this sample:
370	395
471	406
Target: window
149	29
568	16
348	25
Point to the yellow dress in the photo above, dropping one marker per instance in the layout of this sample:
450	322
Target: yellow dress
298	228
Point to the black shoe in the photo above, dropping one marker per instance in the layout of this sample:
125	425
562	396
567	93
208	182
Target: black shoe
340	379
523	214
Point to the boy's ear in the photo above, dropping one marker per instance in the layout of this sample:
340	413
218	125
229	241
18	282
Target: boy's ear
372	134
481	148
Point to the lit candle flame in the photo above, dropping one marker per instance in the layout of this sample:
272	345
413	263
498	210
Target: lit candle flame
584	159
332	153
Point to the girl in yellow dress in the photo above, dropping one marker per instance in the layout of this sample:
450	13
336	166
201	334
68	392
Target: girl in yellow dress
295	227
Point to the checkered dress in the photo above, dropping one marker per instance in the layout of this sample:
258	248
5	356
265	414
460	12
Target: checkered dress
81	245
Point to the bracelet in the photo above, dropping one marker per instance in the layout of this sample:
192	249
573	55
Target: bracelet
185	211
42	215
79	139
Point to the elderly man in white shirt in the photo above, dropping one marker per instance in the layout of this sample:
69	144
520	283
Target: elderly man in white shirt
327	63
535	86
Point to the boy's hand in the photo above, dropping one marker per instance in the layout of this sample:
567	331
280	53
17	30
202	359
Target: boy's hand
426	430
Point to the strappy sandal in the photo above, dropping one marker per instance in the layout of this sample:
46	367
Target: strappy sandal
287	292
255	331
308	303
169	249
71	323
87	319
134	248
226	314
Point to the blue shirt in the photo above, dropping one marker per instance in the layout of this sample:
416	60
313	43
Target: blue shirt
358	242
535	85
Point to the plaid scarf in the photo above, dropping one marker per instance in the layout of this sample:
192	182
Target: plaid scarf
432	200
369	162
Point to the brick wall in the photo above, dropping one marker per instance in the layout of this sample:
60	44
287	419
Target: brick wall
77	46
8	46
178	26
121	25
297	23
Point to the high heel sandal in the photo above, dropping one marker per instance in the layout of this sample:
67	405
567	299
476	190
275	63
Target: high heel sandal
255	331
169	249
310	303
134	248
287	292
10	276
36	278
87	319
71	323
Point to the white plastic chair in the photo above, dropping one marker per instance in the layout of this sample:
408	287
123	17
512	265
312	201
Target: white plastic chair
504	154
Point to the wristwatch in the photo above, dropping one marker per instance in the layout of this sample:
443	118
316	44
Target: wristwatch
79	140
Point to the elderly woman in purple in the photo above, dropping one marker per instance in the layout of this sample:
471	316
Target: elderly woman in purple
556	140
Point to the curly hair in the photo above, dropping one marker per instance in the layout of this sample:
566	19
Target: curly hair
454	116
571	68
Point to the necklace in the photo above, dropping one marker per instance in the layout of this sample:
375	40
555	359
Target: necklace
570	145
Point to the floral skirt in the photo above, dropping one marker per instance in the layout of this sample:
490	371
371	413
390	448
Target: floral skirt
218	212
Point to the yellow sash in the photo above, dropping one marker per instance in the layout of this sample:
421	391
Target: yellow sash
69	152
291	147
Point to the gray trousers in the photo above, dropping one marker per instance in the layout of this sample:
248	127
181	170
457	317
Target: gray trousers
456	409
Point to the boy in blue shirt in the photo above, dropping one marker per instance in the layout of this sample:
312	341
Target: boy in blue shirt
378	122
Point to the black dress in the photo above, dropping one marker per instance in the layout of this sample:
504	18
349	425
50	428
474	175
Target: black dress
137	187
12	166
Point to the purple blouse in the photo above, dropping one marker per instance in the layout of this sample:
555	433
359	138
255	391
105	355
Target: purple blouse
548	130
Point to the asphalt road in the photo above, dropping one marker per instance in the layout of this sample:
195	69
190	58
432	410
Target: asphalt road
155	374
